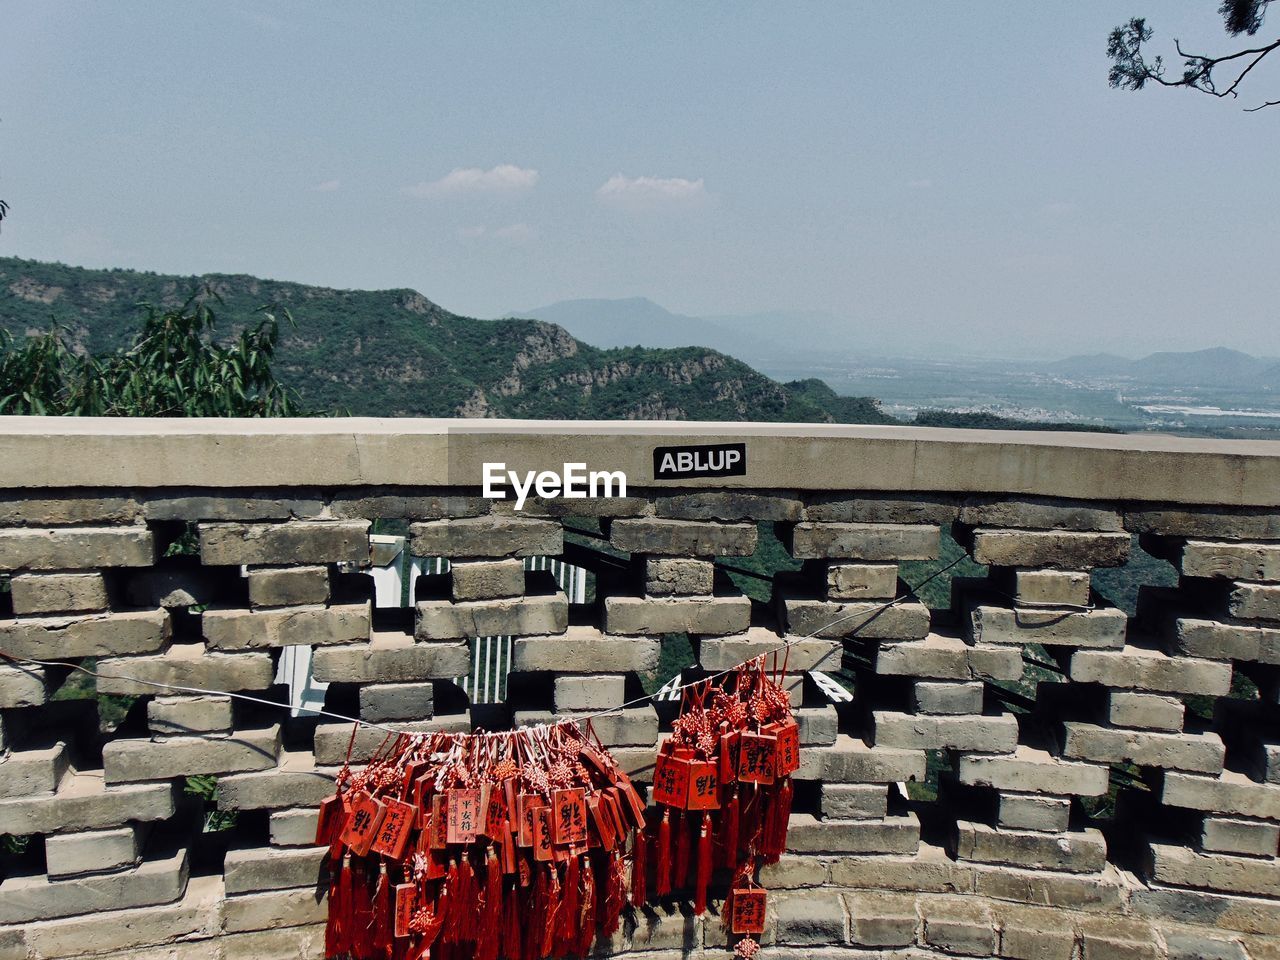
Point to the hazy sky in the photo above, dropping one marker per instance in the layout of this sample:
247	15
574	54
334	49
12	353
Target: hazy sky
953	174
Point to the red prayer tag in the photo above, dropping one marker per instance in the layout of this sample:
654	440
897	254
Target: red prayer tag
748	910
328	819
438	828
704	785
543	846
570	816
788	747
527	804
437	865
508	850
671	781
729	750
482	808
756	761
463	807
362	824
393	832
496	814
603	820
406	903
630	801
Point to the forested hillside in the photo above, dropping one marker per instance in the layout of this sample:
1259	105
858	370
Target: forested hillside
395	353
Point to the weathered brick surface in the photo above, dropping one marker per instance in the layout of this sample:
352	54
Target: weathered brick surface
288	586
862	581
854	801
1150	670
1145	711
882	920
1200	753
1049	587
1254	838
45	593
22	685
408	505
939	657
589	693
130	761
516	616
295	780
673	576
1233	794
1040	514
1030	811
312	626
1231	561
633	727
27	899
382	702
1223	641
889	835
1255	601
77	507
683	538
722	653
1104	627
1081	852
492	536
98	851
333	740
958	927
904	621
101	635
185	715
247	871
728	505
26	772
1055	549
252	505
185	665
1034	771
75	548
642	616
851	760
84	802
391	658
876	542
946	697
487	579
294	828
995	734
296	542
1180	867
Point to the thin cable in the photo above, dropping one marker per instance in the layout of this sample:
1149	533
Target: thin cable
574	719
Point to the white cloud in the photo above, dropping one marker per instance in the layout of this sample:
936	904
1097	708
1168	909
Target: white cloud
650	192
504	178
328	186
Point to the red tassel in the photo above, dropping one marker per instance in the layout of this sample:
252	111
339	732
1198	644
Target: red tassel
779	818
552	913
337	935
732	816
488	936
662	886
511	928
610	900
584	923
383	923
639	868
684	841
362	941
704	868
468	899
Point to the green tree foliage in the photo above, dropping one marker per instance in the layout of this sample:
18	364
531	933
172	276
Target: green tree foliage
1219	76
174	367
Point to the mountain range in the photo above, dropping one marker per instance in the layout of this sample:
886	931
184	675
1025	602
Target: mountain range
1215	367
395	353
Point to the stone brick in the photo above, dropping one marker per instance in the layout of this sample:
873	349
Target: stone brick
244	507
535	506
130	761
939	657
294	828
17	510
850	760
862	581
76	548
83	802
1232	523
332	740
1255	601
288	586
728	505
24	772
288	544
683	538
997	734
1030	811
854	801
812	918
1199	753
176	588
391	658
946	697
589	693
641	616
44	593
1040	514
881	919
889	835
383	702
104	635
292	943
583	649
723	653
1076	852
795	872
1052	587
1224	641
633	727
295	781
1254	838
1144	711
271	868
315	626
1180	867
1233	794
1035	933
1231	561
672	576
28	899
22	686
185	665
98	851
1034	771
179	716
487	579
1104	628
1118	938
398	505
1072	891
514	616
1188	943
931	870
958	926
1137	669
276	911
875	542
1055	549
908	620
819	725
492	536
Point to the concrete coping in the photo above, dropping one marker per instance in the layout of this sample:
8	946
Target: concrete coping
65	452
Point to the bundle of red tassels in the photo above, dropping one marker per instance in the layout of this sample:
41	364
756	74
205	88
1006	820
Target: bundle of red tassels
723	779
478	846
